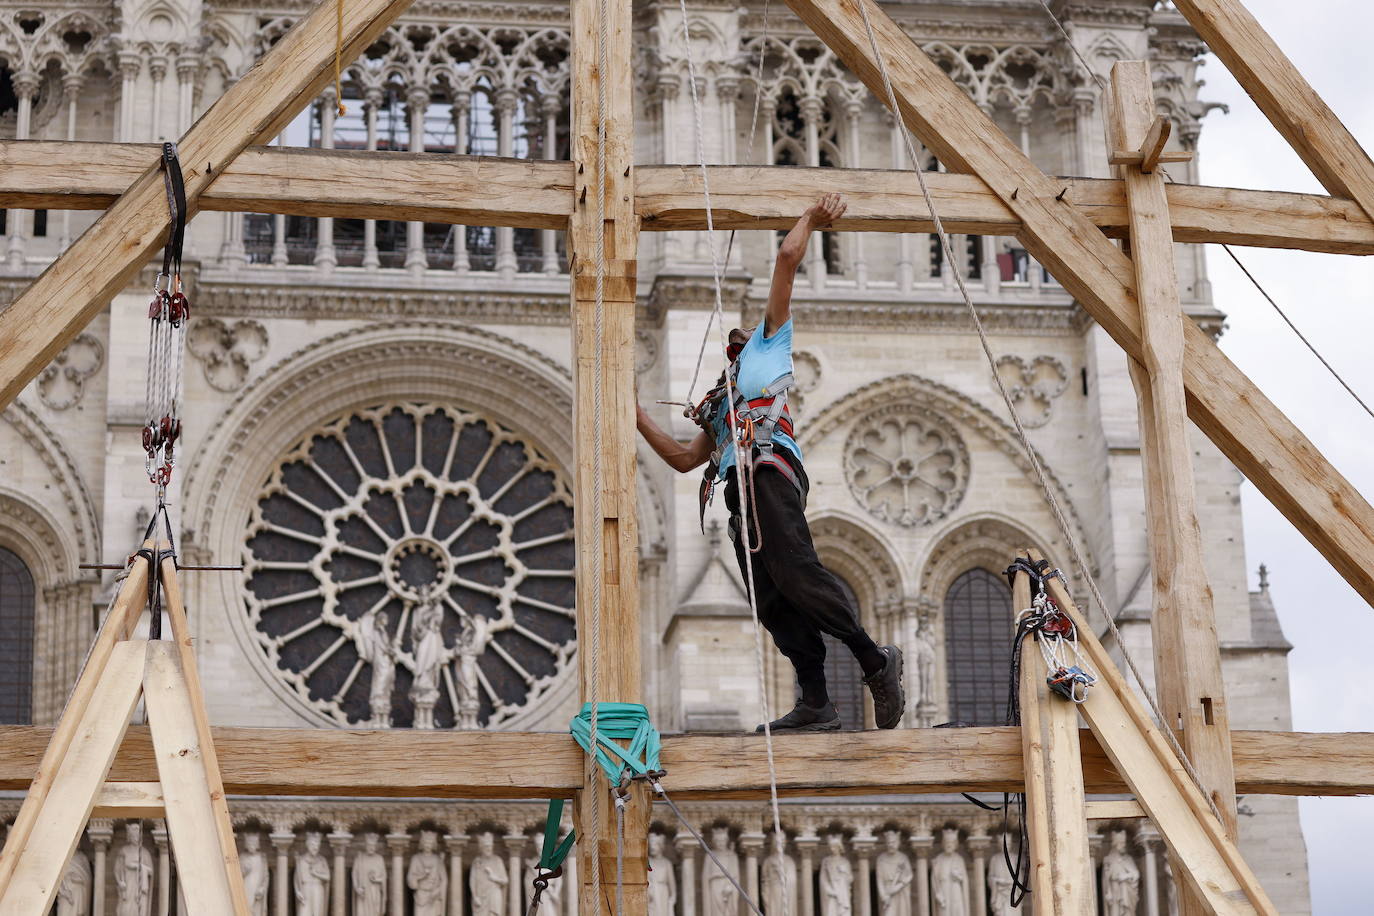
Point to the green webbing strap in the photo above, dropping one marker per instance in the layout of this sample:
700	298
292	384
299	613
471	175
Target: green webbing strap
623	721
554	852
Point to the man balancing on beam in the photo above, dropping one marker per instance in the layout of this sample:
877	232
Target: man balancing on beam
798	599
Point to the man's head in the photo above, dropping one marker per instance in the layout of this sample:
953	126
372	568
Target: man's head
740	336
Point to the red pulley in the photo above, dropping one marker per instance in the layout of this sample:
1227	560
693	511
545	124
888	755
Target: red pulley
178	309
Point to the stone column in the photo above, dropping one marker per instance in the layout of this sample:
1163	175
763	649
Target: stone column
157	69
338	842
811	109
863	884
751	844
505	103
417	101
669	86
100	831
397	844
130	63
921	846
281	872
768	107
853	111
515	866
456	844
279	256
164	871
806	850
978	845
188	67
906	268
326	258
372	98
550	106
1096	847
1149	841
462	101
687	884
71	92
25	84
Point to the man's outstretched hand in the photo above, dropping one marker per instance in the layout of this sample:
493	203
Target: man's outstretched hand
826	210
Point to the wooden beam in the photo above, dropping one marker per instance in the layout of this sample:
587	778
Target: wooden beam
1056	818
525	193
476	765
1114	810
1186	651
603	243
129	799
1263	443
1286	98
102	262
1213	868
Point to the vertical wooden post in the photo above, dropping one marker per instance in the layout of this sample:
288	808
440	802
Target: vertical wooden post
609	542
1056	819
1188	676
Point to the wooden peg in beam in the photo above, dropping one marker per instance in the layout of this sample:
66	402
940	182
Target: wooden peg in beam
1152	152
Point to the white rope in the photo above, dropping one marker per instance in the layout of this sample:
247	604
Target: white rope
1031	454
744	496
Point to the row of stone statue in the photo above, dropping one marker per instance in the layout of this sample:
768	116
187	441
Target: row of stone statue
942	885
945	890
369	881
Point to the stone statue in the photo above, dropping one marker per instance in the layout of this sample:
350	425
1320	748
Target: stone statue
133	874
894	877
488	879
1120	879
837	879
779	882
465	675
253	864
921	673
718	895
949	884
74	893
1000	884
1170	889
312	879
369	879
551	901
662	881
426	877
376	647
427	640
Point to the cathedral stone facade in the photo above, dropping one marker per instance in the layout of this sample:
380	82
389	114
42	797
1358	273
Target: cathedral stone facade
377	425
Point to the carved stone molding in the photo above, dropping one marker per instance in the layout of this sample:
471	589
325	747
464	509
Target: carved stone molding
906	465
687	291
1033	385
75	496
226	350
936	317
63	382
646	351
269	299
806	370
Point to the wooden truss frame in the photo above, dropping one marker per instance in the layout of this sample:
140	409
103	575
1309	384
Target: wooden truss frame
1067	224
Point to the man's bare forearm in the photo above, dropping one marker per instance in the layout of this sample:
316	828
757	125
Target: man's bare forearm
680	456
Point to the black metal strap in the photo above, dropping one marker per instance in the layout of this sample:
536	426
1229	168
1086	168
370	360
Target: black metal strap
176	203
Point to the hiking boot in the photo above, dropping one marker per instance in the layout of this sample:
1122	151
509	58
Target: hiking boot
889	700
805	718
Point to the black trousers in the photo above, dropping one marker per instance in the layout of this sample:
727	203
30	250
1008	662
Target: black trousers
798	598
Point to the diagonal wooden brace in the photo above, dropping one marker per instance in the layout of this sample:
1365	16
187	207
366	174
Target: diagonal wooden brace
109	254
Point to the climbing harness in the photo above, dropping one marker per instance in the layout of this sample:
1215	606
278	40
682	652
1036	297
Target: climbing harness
550	864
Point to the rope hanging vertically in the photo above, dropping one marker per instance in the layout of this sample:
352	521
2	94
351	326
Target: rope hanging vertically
746	508
338	58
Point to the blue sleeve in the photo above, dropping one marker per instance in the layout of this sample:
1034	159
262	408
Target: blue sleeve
781	339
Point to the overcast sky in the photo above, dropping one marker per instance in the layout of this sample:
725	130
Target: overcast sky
1329	298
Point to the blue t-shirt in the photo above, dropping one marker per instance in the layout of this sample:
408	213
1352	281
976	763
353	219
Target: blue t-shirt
763	361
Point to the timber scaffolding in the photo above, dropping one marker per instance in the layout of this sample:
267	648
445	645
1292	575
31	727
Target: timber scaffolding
992	189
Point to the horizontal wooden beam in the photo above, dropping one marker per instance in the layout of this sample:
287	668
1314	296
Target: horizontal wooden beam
535	194
509	765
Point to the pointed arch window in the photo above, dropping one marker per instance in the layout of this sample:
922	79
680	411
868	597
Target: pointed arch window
16	640
978	641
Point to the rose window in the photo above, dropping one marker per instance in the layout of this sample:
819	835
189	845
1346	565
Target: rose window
412	565
906	465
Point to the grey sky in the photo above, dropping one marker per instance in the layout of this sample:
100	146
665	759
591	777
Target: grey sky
1329	298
